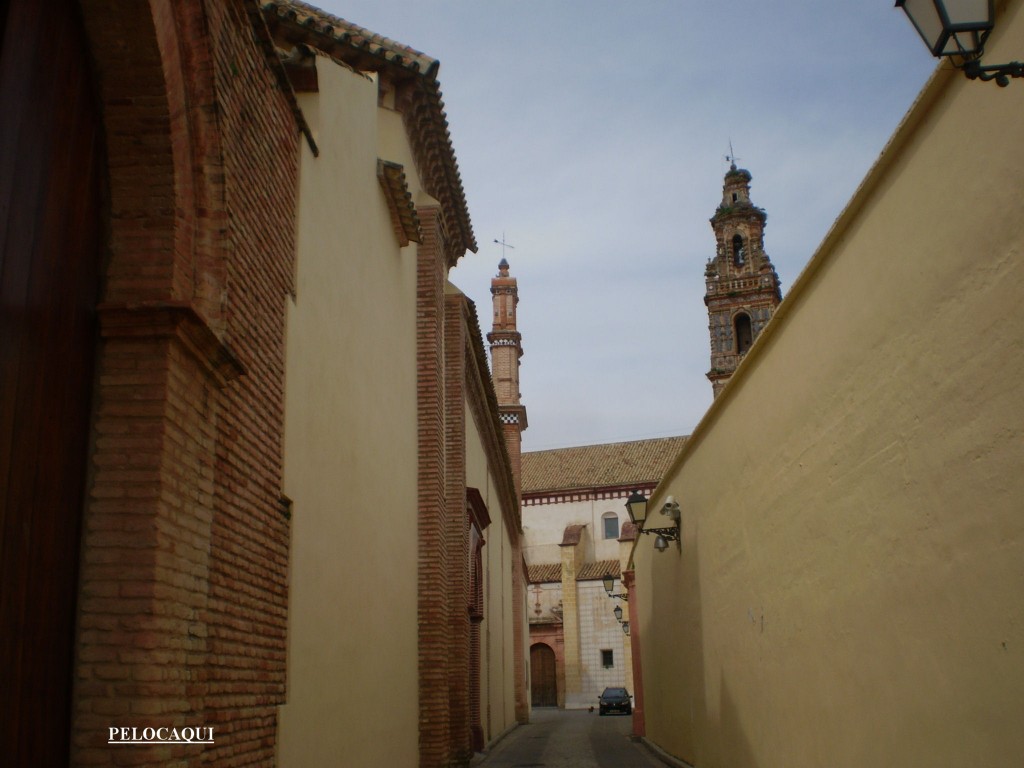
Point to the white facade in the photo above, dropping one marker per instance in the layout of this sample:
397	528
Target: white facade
544	524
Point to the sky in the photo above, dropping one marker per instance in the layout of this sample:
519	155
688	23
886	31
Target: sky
592	138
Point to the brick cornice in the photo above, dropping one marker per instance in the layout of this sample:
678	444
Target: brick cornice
172	320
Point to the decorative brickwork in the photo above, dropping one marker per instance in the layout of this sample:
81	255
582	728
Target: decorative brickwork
182	597
506	350
742	285
433	565
457	532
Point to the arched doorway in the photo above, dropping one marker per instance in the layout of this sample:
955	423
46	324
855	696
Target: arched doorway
543	677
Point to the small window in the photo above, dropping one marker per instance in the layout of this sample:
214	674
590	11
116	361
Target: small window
611	525
735	197
607	658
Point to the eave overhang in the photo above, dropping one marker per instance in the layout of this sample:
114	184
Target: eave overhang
295	23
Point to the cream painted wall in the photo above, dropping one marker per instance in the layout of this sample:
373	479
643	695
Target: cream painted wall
350	446
850	590
497	690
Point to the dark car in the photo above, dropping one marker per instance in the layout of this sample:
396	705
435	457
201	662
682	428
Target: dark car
616	700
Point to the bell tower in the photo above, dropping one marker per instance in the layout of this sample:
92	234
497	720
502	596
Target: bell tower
506	349
742	286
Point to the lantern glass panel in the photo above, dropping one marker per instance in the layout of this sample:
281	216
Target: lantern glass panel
928	21
969	14
637	507
608	582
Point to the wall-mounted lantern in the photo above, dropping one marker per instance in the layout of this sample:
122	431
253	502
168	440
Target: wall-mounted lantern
636	505
958	29
608	581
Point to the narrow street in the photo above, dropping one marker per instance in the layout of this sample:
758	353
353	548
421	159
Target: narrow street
557	738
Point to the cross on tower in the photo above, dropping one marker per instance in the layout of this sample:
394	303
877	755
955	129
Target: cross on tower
504	245
731	157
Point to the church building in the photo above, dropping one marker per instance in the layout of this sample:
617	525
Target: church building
576	532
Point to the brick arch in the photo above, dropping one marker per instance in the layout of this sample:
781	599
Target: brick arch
184	533
153	66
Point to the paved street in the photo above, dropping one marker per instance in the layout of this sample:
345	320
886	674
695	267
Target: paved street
571	739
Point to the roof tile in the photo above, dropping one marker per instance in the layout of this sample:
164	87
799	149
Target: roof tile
598	570
545	573
595	466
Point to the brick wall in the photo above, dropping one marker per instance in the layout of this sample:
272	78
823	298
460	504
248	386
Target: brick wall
249	536
433	562
457	529
182	597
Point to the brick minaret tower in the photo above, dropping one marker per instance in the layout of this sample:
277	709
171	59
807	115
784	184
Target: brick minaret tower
742	286
506	349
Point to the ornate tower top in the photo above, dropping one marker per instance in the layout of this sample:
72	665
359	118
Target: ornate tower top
506	349
742	286
505	293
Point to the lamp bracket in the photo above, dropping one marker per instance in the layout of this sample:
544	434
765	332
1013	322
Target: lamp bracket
668	534
1001	73
622	596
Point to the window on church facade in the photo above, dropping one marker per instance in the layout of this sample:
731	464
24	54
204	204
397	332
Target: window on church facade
611	525
607	658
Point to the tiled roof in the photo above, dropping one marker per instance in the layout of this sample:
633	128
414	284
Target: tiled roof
544	573
594	571
595	466
363	50
547	573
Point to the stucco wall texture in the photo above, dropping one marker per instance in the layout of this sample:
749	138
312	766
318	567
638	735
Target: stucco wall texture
849	590
346	463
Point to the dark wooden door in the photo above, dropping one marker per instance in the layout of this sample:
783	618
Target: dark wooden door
543	678
49	236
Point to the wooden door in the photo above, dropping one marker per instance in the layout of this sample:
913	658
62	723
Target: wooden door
49	245
543	677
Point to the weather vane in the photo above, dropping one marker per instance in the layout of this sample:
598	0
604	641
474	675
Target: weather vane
731	157
504	245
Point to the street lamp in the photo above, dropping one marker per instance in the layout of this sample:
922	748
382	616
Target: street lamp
609	584
958	29
636	505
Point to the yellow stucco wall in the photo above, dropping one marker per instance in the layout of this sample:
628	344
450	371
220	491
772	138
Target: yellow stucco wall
350	446
497	689
850	590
